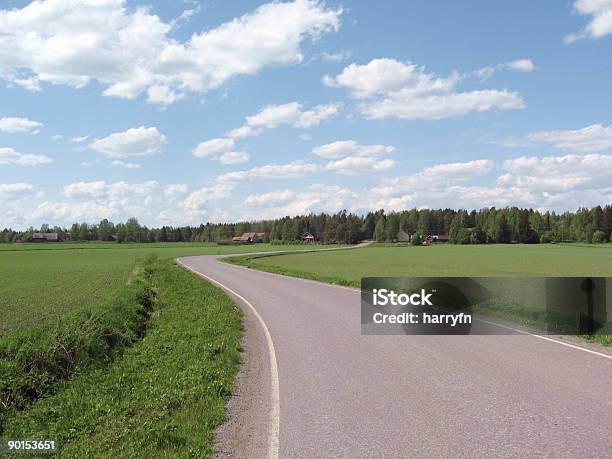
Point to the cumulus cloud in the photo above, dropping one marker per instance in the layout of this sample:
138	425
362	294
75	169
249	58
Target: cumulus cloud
173	190
13	124
316	198
354	165
270	171
200	202
344	148
290	114
519	65
220	149
118	191
213	147
593	138
553	182
130	50
234	157
16	188
140	141
126	165
79	139
600	25
392	88
8	156
335	57
275	197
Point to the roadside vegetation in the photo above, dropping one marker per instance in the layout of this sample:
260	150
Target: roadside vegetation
153	384
347	267
42	282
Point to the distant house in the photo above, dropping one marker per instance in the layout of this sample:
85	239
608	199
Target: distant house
308	237
249	238
403	236
436	238
45	237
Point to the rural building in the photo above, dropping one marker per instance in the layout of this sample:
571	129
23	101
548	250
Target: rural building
403	236
45	237
249	238
436	238
308	237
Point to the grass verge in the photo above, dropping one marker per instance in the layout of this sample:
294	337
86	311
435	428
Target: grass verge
513	313
251	262
165	395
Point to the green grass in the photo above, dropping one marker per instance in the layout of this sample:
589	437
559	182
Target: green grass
165	395
347	267
41	282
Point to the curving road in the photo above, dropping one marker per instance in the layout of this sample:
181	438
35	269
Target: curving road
313	386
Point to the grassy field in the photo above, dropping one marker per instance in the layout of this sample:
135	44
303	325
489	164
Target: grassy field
45	281
347	267
162	397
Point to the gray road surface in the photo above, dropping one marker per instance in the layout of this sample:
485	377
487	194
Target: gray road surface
347	395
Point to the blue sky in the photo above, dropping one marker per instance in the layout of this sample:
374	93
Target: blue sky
191	111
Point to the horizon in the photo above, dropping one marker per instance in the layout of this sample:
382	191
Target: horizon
116	109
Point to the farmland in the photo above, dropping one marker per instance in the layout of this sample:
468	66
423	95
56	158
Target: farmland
518	260
46	281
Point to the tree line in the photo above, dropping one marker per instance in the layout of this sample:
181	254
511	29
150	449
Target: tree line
488	225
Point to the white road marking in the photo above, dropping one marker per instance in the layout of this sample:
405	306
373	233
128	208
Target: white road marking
274	428
584	349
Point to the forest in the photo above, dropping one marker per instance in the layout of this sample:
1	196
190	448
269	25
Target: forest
488	225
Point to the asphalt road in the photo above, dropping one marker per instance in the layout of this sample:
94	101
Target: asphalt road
341	394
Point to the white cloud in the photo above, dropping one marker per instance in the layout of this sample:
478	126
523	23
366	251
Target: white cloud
221	149
432	180
593	138
276	171
600	23
29	84
56	137
520	65
118	191
133	142
336	57
234	157
552	174
79	139
16	188
554	182
275	197
8	156
291	114
126	165
460	171
354	165
316	198
403	90
173	190
244	132
13	124
212	147
130	50
344	148
200	202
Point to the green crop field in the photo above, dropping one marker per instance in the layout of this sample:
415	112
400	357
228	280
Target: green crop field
349	266
45	281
